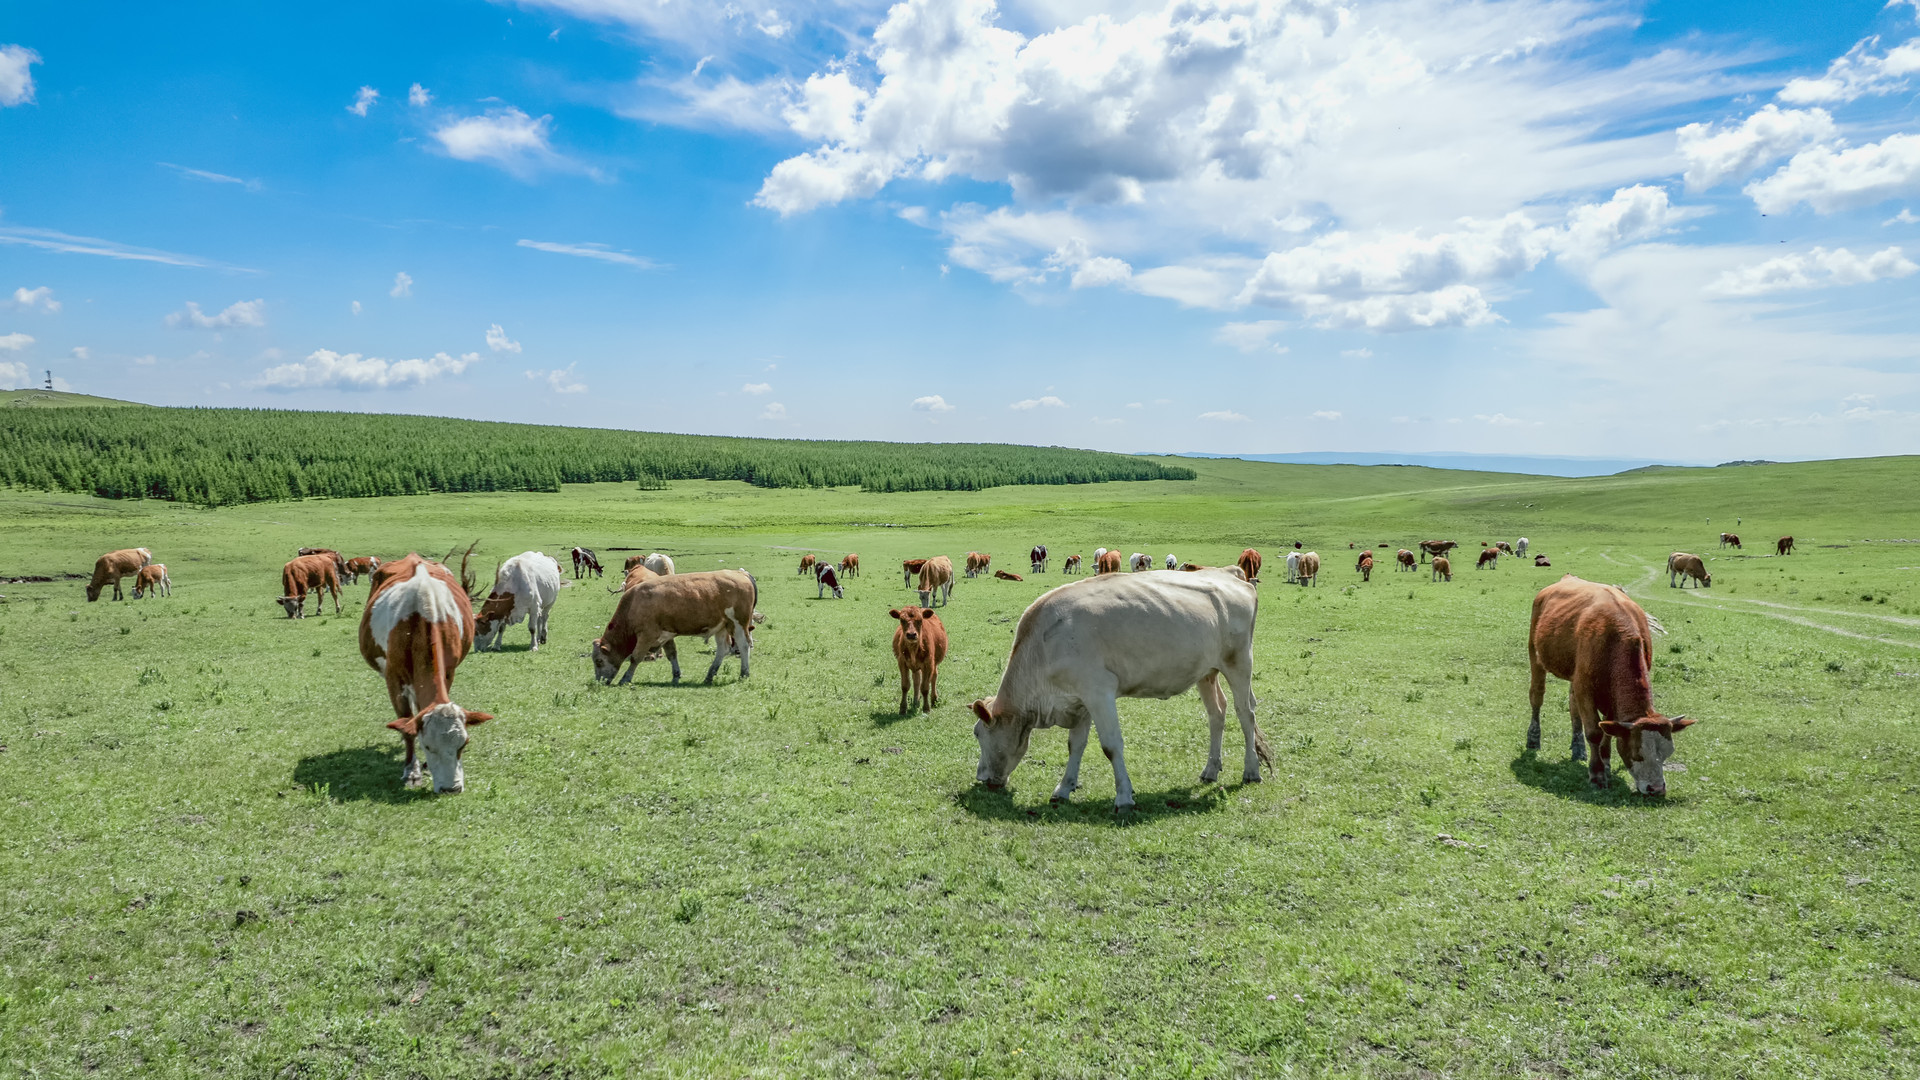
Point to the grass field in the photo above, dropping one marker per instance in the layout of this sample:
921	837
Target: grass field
207	866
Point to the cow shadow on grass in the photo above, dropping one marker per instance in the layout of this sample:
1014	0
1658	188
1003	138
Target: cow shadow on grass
1148	806
1568	779
359	774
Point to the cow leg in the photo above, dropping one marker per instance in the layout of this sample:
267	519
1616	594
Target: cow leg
1536	691
1106	720
409	769
336	602
1076	745
908	684
722	644
1216	704
673	658
1240	681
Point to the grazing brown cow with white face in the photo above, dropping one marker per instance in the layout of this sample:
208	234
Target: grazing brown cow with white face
417	627
1681	566
1731	540
1249	564
850	566
716	604
1310	568
318	574
1436	547
1365	566
1600	641
153	579
1488	557
1006	576
1783	546
1108	562
977	563
1071	566
108	569
1442	569
936	581
1403	560
909	569
919	644
360	564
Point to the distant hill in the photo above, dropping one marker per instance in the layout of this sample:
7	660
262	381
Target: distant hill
1536	465
60	399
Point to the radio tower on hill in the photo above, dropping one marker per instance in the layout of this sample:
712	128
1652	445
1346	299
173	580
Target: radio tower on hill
49	378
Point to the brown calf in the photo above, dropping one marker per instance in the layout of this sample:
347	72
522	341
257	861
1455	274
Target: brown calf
1505	548
1310	568
977	563
1681	566
1783	546
416	628
1108	563
1071	565
1249	564
1599	640
936	581
850	566
1005	576
919	644
1488	557
1365	566
360	564
311	572
909	568
1541	560
108	569
1403	560
806	564
153	579
1730	540
1442	569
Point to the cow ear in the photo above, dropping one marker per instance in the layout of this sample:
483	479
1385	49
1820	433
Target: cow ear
926	613
406	725
894	612
980	710
478	718
1617	730
1682	721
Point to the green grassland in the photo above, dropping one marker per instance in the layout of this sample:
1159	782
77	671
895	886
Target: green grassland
30	398
207	866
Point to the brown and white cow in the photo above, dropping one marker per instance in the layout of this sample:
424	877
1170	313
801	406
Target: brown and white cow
108	569
1108	562
850	566
977	563
1249	564
1309	568
1139	562
360	564
1403	560
1081	647
1731	540
1505	548
1436	547
1783	546
1681	566
1365	566
585	562
1600	641
910	569
1004	575
1037	559
1488	557
807	562
1071	565
919	645
636	575
152	579
715	604
415	630
825	577
525	587
317	573
936	581
1442	569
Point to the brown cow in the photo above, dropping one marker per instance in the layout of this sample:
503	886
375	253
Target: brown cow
319	574
1541	560
1730	540
1365	566
635	575
977	563
850	566
1403	560
1005	576
1310	568
806	564
1249	564
114	565
716	604
1784	546
1681	566
936	580
416	628
1600	641
1505	548
152	579
1193	566
1436	547
1107	563
360	564
919	644
1442	568
339	560
1488	557
910	568
1071	565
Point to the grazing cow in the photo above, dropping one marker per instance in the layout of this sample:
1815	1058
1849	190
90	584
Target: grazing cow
659	564
1038	558
826	577
936	581
304	572
415	630
585	562
1488	557
1097	553
114	565
1172	562
1541	560
360	564
637	575
806	564
1600	641
152	579
1139	561
850	566
716	604
1505	548
977	563
1293	567
919	644
1005	576
1403	560
1783	546
525	587
1071	565
911	568
1520	547
1365	566
1081	647
1436	547
1681	566
339	560
1731	540
1107	562
633	561
1249	564
1309	568
1442	569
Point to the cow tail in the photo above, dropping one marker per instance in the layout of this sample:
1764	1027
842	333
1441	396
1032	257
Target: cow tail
1262	750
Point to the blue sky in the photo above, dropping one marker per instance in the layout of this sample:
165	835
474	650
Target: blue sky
1667	230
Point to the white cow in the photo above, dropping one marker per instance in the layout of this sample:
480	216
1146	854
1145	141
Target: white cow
1081	647
1097	552
1140	561
1293	566
659	564
1520	547
525	588
1172	563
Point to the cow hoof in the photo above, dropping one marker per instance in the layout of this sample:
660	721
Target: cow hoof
1118	805
1208	776
1252	776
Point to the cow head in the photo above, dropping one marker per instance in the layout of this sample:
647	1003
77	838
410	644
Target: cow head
441	734
913	620
606	662
292	604
490	623
93	593
1645	745
1003	743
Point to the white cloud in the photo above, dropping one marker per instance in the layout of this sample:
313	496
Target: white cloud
1251	337
244	313
147	360
402	285
419	96
1829	180
79	352
1225	416
498	341
1905	216
1503	420
932	403
1106	421
1357	354
356	307
1030	404
1715	154
324	368
1326	414
49	240
505	137
15	341
1859	73
774	411
211	177
560	380
590	251
14	376
1088	270
757	388
1135	405
1815	269
41	298
16	78
363	101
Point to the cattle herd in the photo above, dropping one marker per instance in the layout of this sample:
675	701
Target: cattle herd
1076	650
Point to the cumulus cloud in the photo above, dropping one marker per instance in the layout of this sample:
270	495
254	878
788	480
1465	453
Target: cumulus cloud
14	376
1357	354
1030	404
244	313
1905	216
506	137
326	369
932	403
41	298
1225	416
356	307
419	96
402	285
774	411
1252	337
757	388
1815	269
1086	269
498	341
559	380
1718	153
16	75
1830	180
1860	73
15	341
363	101
590	251
1326	414
79	352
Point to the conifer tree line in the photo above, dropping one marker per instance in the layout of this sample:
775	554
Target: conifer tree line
223	457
